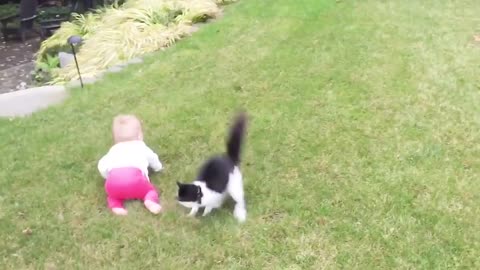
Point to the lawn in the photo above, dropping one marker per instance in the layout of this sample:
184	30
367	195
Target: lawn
363	147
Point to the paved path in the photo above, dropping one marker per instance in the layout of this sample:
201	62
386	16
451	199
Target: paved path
25	102
17	63
13	78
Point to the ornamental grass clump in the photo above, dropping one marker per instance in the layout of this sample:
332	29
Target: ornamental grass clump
116	34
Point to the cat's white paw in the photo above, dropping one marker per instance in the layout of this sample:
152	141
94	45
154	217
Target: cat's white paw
240	214
207	211
193	212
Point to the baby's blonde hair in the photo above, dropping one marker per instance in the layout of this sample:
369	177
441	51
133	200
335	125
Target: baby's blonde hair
126	127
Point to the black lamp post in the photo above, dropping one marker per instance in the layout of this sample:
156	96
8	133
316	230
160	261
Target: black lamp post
74	40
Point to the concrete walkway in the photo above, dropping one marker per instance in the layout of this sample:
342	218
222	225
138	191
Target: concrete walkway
25	102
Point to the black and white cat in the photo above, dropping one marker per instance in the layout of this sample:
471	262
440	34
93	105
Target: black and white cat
219	177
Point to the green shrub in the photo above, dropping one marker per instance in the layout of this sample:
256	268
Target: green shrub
45	69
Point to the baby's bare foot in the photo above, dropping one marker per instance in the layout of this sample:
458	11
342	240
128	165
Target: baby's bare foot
153	207
120	211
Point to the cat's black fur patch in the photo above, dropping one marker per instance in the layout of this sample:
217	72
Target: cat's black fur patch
215	172
189	193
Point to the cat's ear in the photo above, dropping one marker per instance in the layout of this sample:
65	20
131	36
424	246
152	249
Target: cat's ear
179	184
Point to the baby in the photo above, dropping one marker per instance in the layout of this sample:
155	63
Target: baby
125	167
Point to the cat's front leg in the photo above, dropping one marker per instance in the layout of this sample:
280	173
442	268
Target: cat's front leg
207	210
193	212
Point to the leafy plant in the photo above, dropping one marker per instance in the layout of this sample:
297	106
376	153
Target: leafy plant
44	69
50	63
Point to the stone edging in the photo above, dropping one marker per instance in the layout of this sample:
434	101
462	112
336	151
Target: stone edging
26	102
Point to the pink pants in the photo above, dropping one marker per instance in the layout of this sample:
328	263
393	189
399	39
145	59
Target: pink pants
128	184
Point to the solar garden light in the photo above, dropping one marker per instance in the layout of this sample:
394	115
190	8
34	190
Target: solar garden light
75	40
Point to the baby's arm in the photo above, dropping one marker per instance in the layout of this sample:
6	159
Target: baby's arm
153	160
103	166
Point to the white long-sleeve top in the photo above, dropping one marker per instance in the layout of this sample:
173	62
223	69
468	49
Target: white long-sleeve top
129	154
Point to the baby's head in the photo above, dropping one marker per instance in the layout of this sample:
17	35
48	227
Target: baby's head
127	128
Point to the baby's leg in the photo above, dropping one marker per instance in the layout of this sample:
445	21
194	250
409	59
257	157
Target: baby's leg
132	184
114	191
151	201
116	206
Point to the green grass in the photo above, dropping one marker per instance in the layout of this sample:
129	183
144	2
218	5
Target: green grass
363	147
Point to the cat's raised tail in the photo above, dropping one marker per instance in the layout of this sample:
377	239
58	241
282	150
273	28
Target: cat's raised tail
236	137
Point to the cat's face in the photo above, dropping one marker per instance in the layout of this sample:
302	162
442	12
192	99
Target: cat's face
189	194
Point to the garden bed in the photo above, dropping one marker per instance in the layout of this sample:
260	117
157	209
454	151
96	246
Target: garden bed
116	34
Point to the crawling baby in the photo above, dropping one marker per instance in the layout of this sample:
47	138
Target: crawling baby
125	167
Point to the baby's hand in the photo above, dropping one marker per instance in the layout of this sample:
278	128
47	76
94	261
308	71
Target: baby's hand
156	165
157	169
153	160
